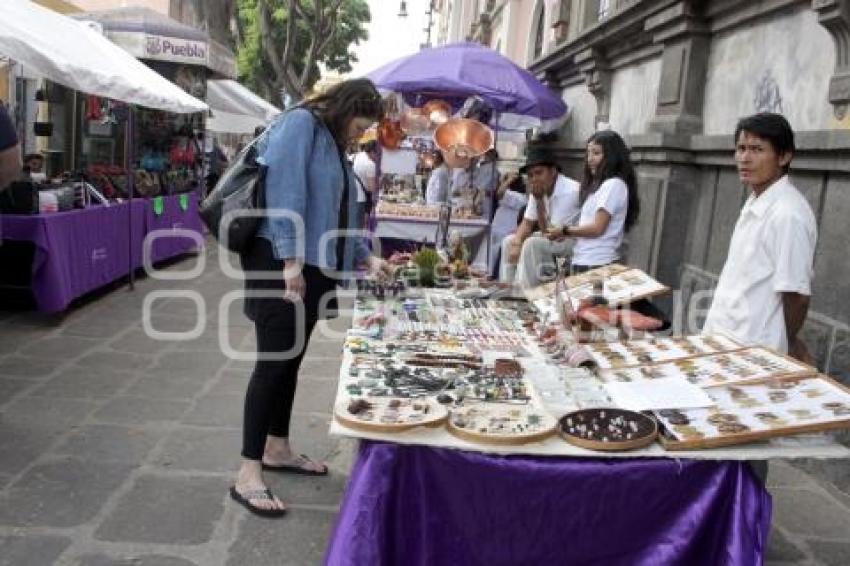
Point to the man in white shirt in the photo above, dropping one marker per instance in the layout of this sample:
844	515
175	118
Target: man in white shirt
763	293
365	167
528	256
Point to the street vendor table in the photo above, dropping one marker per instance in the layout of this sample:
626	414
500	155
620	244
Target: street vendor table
79	250
423	505
425	229
168	220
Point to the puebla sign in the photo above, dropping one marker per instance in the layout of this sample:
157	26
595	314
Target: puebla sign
173	49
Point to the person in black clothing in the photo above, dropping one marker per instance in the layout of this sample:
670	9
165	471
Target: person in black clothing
10	152
289	289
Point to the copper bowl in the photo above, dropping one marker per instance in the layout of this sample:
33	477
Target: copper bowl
415	122
460	140
437	111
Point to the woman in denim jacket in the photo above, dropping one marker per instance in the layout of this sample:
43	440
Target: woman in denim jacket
291	270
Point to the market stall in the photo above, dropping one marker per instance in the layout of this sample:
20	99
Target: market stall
434	85
70	257
483	415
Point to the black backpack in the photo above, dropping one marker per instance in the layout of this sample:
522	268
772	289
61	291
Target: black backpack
233	209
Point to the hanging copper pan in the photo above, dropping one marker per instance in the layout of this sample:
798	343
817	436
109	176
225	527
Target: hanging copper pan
461	140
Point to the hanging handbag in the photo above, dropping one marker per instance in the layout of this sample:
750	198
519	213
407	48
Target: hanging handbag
239	196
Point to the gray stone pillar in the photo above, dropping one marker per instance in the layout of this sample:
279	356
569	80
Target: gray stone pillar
684	63
597	75
834	15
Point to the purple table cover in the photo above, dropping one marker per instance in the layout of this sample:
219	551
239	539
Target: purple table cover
166	246
79	250
415	505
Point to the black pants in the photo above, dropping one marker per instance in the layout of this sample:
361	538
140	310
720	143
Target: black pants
271	391
283	333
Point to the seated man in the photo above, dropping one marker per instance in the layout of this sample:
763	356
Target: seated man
528	256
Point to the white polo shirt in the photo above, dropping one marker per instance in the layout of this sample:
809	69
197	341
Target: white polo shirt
561	206
771	252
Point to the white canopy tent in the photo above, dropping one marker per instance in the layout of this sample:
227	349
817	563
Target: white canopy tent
228	123
236	109
73	54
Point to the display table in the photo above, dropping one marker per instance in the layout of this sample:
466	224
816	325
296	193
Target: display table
419	505
425	230
79	250
163	228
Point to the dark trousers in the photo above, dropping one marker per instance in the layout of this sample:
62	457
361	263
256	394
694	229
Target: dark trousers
283	333
271	391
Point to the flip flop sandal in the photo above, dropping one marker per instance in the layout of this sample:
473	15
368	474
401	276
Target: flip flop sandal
297	467
244	499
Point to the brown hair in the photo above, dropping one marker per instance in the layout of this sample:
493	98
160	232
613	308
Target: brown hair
356	98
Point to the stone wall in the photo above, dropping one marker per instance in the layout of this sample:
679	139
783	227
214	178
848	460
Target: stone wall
634	97
790	74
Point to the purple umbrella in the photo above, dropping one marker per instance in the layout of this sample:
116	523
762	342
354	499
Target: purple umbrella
459	70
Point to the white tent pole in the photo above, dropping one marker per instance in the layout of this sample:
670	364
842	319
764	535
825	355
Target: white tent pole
131	181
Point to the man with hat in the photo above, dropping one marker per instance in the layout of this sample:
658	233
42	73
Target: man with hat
528	256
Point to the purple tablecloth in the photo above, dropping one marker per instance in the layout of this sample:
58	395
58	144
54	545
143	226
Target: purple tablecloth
417	505
79	250
167	244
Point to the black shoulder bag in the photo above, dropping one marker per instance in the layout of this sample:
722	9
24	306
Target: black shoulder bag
233	209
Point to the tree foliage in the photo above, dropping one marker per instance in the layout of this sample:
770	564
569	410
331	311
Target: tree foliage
281	43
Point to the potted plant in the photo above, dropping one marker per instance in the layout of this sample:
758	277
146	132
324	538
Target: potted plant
426	260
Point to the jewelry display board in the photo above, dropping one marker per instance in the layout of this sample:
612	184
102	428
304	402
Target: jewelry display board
740	366
608	355
760	411
621	286
608	429
389	414
502	424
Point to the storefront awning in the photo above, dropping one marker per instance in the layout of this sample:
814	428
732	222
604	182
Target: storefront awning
231	97
72	54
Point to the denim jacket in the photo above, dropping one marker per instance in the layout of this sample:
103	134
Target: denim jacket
304	186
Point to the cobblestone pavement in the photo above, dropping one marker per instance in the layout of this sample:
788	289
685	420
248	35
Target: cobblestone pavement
117	449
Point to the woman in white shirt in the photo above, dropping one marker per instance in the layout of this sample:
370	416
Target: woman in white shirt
437	191
609	203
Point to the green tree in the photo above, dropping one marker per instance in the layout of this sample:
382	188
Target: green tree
281	43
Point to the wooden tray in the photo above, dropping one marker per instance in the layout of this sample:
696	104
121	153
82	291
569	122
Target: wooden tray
730	439
436	416
603	362
512	438
711	367
648	424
